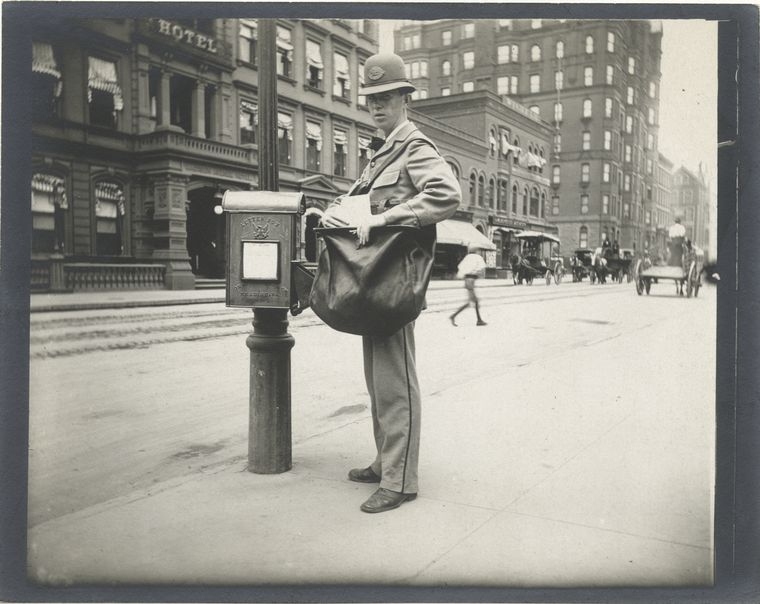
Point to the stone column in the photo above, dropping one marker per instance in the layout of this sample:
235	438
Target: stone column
170	231
164	100
199	109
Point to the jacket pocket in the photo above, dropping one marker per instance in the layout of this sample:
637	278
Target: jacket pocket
386	179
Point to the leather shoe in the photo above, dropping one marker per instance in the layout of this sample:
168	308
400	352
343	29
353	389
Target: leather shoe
383	500
363	475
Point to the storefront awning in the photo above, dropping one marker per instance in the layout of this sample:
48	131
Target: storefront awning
528	234
456	232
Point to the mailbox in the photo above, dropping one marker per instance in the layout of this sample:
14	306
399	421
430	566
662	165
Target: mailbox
262	232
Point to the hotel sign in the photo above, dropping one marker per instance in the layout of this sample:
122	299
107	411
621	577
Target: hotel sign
506	222
185	35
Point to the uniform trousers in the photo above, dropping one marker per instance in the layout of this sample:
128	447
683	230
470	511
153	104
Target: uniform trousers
391	374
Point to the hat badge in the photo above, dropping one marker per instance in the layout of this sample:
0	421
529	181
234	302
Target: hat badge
375	73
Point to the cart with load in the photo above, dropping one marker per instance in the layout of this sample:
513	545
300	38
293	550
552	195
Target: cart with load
688	274
536	258
582	265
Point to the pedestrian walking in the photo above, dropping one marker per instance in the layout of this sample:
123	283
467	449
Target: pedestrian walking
409	183
470	268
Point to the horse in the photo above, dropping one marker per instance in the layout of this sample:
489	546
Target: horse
600	268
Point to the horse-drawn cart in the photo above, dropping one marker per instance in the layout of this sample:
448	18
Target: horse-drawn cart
536	259
689	274
582	263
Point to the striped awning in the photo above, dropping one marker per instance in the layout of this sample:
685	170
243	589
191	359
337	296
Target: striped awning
112	193
43	60
314	54
339	137
314	132
364	142
102	76
52	185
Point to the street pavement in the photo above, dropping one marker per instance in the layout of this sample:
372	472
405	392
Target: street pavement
568	443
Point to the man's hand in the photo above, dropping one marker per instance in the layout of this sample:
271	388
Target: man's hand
365	226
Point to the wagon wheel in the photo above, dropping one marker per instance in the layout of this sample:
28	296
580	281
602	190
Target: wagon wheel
691	279
638	281
628	275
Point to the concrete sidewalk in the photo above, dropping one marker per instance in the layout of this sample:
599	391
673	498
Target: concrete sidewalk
522	484
44	302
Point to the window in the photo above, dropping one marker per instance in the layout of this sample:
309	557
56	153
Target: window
629	95
364	142
555	205
473	188
502	85
247	41
535	53
109	216
446	37
341	83
468	86
606	172
534	207
514	199
407	42
492	144
415	69
313	146
505	24
607	140
284	137
535	83
648	218
583	237
605	204
46	81
492	193
314	65
445	91
454	169
629	124
360	98
650	116
586	108
559	49
423	93
284	52
502	195
513	84
49	204
588	76
557	112
103	93
586	141
468	60
631	65
557	143
468	30
584	203
627	182
608	107
650	141
652	90
555	175
416	41
503	54
610	41
535	109
650	166
627	153
423	69
535	23
559	80
589	45
340	152
515	53
585	170
446	68
525	201
610	75
249	120
626	210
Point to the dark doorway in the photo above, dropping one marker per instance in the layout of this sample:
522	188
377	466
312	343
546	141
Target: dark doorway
310	238
206	234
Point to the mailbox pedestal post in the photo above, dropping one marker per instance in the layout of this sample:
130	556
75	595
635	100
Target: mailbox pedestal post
269	427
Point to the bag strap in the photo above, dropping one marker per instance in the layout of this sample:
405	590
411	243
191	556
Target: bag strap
393	155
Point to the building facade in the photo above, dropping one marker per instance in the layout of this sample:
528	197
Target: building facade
140	125
596	82
691	198
497	149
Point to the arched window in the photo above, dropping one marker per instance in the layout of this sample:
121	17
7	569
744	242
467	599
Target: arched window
454	169
481	189
525	201
492	143
446	68
583	237
514	199
473	187
589	45
586	107
516	152
492	193
559	49
535	53
542	208
534	211
110	208
503	195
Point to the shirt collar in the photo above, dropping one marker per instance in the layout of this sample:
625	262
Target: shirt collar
395	131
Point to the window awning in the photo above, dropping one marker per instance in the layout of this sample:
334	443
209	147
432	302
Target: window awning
537	234
456	232
314	132
364	141
314	54
43	60
339	137
102	76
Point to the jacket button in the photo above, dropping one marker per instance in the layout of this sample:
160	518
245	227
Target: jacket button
372	164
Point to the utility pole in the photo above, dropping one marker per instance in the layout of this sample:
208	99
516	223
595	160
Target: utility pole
269	426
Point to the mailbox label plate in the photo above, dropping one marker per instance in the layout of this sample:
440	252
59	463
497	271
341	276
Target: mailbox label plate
261	261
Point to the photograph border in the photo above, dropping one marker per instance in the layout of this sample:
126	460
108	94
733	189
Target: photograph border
738	345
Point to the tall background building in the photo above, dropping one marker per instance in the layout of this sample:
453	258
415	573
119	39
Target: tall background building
595	82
